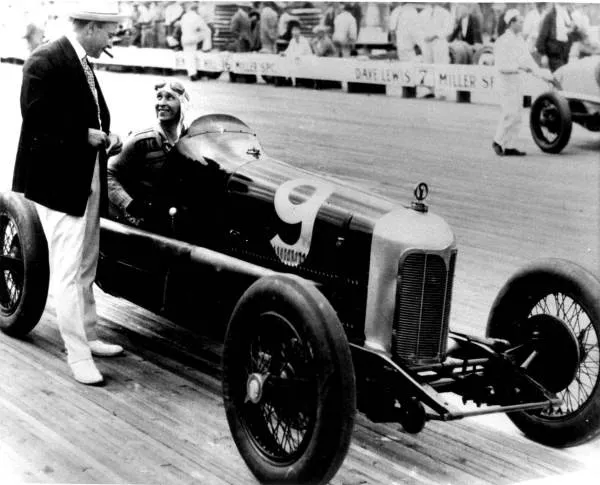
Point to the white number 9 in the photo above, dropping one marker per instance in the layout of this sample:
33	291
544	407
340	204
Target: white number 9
304	213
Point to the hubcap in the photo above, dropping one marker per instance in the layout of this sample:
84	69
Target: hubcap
254	388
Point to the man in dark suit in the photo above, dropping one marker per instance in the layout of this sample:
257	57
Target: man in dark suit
557	33
61	166
467	27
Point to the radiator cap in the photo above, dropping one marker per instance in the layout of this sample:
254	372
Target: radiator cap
421	192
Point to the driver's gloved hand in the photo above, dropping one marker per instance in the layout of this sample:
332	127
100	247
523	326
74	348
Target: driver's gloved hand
137	211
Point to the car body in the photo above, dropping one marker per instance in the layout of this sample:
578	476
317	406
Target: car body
577	100
335	300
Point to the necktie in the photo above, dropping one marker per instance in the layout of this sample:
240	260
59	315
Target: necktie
87	69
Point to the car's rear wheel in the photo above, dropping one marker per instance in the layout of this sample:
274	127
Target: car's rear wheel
24	272
550	312
288	382
550	122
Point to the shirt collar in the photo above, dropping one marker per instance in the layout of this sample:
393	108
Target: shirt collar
79	50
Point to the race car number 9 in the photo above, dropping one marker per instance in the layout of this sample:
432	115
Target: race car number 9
304	213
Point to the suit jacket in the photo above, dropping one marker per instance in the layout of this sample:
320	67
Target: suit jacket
55	163
473	35
546	43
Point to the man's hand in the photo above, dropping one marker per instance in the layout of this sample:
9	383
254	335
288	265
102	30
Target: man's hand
97	138
115	145
544	61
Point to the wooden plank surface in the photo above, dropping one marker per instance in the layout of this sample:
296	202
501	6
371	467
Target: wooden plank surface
160	417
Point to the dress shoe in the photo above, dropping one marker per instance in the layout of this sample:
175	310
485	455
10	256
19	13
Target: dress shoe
498	149
86	372
514	152
102	349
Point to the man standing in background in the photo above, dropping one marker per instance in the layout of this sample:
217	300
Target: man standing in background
345	31
404	27
512	57
61	166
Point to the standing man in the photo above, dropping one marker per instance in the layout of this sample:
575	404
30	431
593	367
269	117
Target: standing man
555	37
511	58
436	25
61	166
345	31
194	31
404	27
268	28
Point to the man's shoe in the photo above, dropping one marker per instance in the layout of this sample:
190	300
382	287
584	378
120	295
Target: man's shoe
102	349
86	372
514	152
497	149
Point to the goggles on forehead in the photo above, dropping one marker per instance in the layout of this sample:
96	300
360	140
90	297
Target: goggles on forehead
175	86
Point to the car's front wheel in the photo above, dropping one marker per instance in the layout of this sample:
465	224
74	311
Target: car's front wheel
550	122
24	271
288	382
550	313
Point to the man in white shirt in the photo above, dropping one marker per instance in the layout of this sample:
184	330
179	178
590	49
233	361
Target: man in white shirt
531	25
511	58
194	30
436	25
345	31
404	27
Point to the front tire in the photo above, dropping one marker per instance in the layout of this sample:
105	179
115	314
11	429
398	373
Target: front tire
561	293
288	382
550	122
24	270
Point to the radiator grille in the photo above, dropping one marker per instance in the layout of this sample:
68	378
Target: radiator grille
423	299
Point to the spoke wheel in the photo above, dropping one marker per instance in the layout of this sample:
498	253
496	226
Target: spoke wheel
562	299
550	122
280	423
581	389
24	272
288	382
11	266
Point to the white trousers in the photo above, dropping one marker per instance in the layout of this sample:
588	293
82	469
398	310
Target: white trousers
511	102
189	53
73	246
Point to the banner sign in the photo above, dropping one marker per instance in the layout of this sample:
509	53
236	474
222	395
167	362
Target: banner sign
450	77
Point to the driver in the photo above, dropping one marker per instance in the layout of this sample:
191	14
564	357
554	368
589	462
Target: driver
136	175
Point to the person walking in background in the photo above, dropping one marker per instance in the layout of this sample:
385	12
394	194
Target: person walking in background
193	32
555	37
268	28
404	28
512	57
284	30
61	166
435	23
345	31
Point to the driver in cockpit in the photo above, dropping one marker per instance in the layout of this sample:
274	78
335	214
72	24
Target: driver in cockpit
137	175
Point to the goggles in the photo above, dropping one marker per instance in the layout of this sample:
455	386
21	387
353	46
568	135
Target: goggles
174	86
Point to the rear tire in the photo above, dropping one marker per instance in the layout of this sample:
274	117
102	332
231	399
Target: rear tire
550	122
288	382
24	270
556	290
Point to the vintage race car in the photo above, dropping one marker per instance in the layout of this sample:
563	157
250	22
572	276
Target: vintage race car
335	301
577	100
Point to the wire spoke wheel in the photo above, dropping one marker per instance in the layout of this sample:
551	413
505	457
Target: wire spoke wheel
581	389
549	121
11	265
288	382
280	424
551	310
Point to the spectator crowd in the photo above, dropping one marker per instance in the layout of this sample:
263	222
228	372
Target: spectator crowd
438	33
